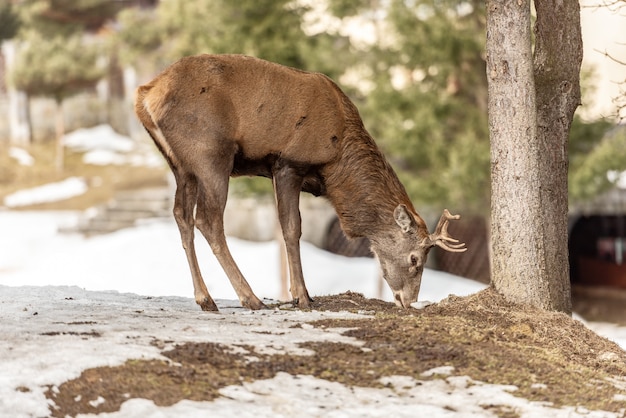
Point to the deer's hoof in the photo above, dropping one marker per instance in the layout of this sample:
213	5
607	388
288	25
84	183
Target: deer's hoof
208	305
303	303
254	305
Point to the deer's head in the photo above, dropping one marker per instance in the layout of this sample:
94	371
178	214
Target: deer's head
402	254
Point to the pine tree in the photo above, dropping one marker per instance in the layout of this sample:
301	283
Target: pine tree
55	60
428	97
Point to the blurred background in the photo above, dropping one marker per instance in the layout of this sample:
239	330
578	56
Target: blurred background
414	68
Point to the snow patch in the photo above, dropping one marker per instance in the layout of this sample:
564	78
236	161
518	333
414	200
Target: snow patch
21	155
51	192
306	396
48	335
101	137
103	146
149	260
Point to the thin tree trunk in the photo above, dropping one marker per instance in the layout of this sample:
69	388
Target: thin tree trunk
117	106
283	269
59	131
557	60
20	127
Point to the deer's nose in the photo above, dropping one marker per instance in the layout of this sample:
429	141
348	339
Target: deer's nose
401	299
404	298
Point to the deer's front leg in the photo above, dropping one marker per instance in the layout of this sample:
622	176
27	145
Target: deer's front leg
287	186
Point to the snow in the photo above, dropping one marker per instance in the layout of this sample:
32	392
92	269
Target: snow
54	287
149	260
618	178
406	397
103	146
51	192
101	137
33	357
21	155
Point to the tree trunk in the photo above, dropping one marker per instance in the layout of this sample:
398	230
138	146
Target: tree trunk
3	73
531	105
117	105
283	268
59	131
557	60
20	127
519	269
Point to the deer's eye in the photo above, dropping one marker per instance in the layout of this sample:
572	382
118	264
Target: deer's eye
413	260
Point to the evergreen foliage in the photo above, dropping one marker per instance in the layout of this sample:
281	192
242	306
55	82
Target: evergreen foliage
598	169
56	67
9	20
268	29
55	60
421	87
427	106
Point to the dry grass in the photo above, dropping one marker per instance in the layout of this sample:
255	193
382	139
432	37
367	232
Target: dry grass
103	181
548	356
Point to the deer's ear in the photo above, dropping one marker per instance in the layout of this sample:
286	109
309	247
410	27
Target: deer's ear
404	219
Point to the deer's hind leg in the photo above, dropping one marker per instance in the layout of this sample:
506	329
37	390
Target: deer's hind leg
212	194
184	203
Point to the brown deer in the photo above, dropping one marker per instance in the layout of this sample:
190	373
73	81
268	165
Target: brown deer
216	116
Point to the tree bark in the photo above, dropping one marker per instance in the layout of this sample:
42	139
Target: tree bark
557	61
531	105
518	236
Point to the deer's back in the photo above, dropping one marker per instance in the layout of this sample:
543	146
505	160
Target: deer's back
262	108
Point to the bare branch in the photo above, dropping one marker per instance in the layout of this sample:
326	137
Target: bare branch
613	5
611	57
620	103
620	100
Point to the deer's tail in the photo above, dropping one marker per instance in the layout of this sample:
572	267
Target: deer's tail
145	111
141	108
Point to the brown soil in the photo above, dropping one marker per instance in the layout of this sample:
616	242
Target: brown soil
482	336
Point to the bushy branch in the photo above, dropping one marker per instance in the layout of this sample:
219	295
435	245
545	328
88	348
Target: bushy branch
56	67
9	21
590	178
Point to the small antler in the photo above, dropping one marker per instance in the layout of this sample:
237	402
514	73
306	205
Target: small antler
441	238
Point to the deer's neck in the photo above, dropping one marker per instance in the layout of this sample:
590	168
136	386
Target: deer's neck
363	188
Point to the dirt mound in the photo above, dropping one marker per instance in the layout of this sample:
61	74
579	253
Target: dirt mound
530	326
548	356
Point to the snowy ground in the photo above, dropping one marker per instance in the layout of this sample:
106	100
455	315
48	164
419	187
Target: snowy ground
133	287
149	260
71	287
100	145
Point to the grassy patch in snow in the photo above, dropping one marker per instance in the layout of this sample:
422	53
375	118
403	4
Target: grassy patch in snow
548	356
